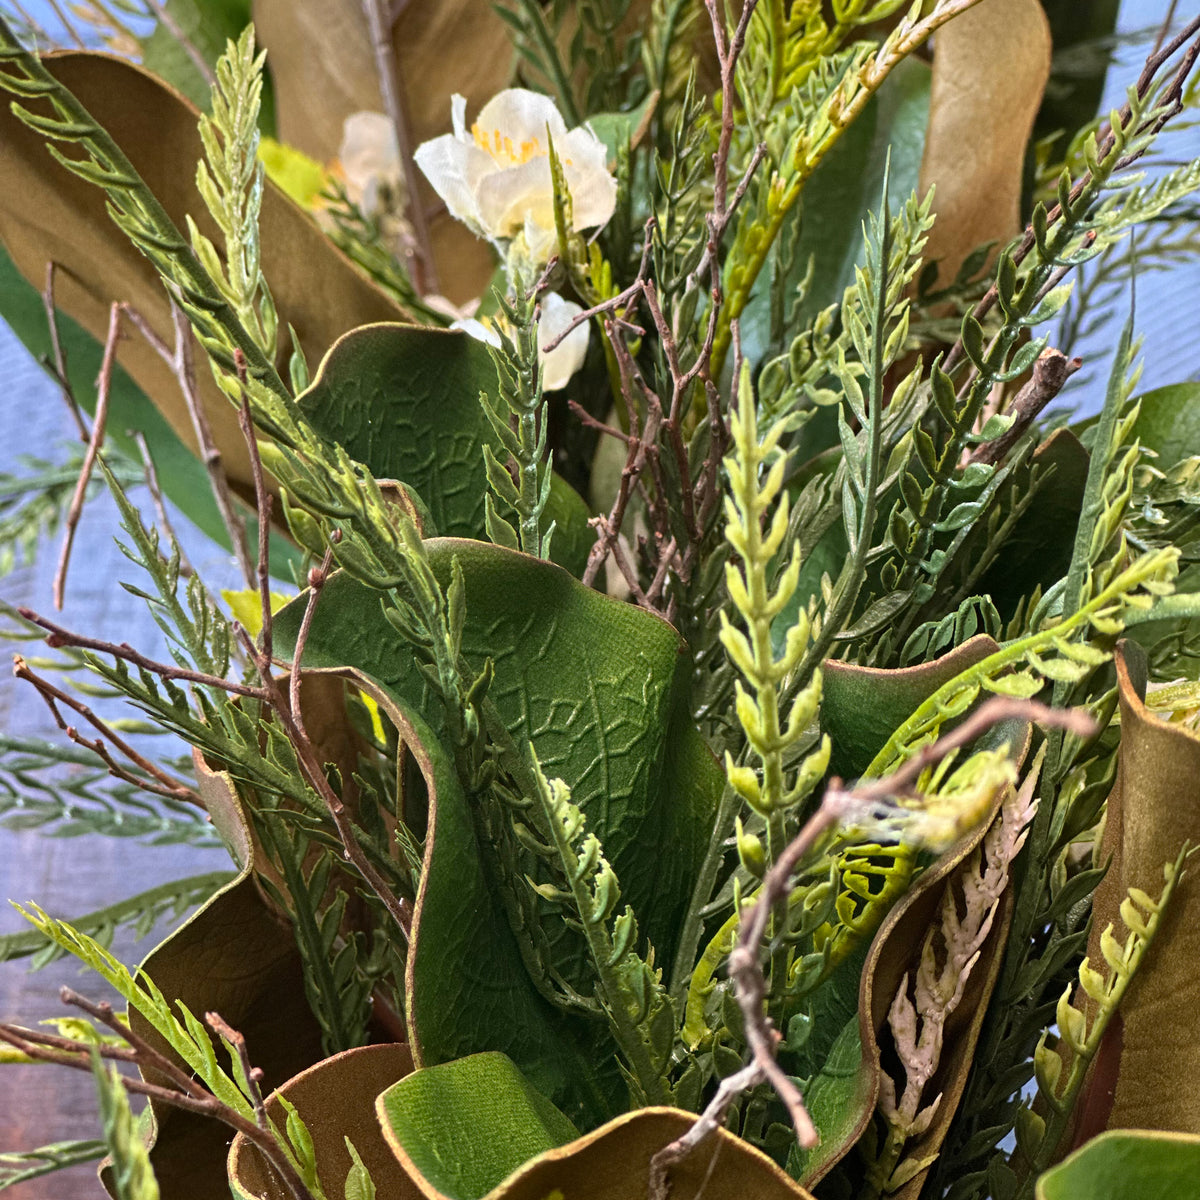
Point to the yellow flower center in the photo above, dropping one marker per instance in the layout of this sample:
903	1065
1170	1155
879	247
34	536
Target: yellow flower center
503	151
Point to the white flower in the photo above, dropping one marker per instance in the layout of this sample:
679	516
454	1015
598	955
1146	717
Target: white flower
370	159
556	314
496	177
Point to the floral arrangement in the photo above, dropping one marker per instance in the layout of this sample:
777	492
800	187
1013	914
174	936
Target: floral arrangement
699	719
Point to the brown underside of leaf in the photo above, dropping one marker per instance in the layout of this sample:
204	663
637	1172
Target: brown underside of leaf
613	1163
336	1098
46	213
233	957
441	48
897	951
990	66
1154	808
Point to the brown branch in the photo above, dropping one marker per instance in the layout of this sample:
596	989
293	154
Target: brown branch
839	805
1050	373
188	1093
316	582
253	1075
164	16
160	508
99	422
379	22
60	358
291	718
181	360
60	637
1172	97
159	782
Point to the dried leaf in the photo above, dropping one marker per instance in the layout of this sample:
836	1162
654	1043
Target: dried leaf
894	954
47	213
1144	1075
990	66
336	1099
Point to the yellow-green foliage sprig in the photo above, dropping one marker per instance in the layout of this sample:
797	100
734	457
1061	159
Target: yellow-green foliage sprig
767	788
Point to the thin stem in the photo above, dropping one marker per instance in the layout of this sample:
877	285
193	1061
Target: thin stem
379	22
166	19
99	421
60	358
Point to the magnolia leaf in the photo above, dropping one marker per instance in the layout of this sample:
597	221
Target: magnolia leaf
1126	1164
598	686
613	1163
451	46
895	953
1037	553
232	957
336	1100
48	213
1153	1056
990	66
1168	422
405	401
862	706
463	1127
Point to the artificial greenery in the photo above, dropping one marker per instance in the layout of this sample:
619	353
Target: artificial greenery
724	718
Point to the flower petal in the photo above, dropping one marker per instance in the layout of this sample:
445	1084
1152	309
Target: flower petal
567	357
505	198
522	115
478	330
454	169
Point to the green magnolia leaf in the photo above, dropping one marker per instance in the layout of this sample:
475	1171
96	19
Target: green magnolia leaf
404	400
599	688
466	1125
862	706
840	1100
1126	1164
613	1163
843	189
1038	551
1168	423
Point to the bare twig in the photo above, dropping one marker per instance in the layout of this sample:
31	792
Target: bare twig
1050	373
380	19
181	360
869	798
159	782
60	358
253	1075
168	22
59	637
160	508
316	581
183	1091
103	385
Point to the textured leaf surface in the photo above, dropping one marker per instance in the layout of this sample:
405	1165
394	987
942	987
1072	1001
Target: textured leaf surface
1126	1164
598	686
613	1163
862	706
336	1098
465	1126
405	401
